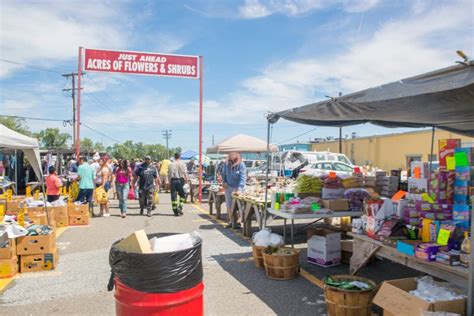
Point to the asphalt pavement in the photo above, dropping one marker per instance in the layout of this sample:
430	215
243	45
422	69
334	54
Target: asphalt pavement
233	285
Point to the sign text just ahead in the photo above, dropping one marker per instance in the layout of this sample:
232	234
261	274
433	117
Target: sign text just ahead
141	63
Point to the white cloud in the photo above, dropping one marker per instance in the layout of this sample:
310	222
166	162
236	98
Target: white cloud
399	48
254	9
48	32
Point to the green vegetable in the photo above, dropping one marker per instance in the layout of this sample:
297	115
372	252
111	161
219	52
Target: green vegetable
349	285
308	184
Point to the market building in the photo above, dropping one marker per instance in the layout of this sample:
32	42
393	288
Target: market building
390	151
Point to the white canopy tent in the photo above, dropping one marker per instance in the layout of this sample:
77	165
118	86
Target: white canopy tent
241	143
10	139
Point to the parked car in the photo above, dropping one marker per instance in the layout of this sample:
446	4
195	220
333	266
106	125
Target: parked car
294	159
320	168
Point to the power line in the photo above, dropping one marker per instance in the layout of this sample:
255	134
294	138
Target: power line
36	118
100	133
298	135
30	66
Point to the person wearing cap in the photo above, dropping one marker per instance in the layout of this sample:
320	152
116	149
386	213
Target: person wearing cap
146	175
177	173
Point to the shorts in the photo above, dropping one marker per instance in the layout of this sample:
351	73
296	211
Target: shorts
164	179
52	198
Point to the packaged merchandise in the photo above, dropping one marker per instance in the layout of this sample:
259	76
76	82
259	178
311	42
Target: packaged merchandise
324	248
427	251
446	149
417	186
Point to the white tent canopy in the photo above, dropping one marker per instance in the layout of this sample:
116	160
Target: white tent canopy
241	143
13	140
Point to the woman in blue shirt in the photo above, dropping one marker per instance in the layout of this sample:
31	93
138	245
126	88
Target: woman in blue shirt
234	177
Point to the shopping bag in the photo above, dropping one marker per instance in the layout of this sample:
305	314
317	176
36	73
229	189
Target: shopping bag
101	195
131	194
156	198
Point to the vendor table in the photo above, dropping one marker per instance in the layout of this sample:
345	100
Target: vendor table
364	248
247	206
194	189
316	216
216	198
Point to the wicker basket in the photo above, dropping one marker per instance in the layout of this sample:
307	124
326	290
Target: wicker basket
342	302
282	267
258	256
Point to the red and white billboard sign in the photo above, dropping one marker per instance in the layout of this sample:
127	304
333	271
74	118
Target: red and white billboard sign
141	63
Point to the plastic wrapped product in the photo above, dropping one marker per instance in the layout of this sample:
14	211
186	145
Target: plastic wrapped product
168	272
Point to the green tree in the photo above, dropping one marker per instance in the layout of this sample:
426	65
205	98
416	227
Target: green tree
16	124
52	138
99	147
87	144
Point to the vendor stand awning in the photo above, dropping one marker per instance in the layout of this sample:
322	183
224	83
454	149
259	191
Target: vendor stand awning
188	154
10	139
241	143
441	99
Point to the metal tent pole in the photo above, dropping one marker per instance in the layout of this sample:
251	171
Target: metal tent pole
264	219
432	147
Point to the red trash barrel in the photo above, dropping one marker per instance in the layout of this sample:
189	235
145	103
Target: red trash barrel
132	302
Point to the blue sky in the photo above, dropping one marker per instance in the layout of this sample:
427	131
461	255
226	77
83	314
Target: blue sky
259	56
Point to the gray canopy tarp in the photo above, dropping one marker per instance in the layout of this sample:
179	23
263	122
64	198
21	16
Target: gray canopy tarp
443	98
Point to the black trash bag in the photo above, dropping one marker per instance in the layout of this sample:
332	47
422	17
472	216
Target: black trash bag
169	272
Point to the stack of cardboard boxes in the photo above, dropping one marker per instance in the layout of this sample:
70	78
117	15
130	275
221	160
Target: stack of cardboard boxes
37	253
78	214
8	260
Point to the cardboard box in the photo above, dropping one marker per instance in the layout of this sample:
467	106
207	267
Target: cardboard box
8	252
408	247
395	299
417	186
336	205
8	267
330	194
79	220
346	250
62	221
324	248
78	210
39	219
30	245
60	211
39	262
135	243
13	207
424	168
446	148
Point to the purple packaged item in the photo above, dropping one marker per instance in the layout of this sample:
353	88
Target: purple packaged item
427	251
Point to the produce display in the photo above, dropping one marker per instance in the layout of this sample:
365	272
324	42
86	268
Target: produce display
280	251
309	184
356	198
349	285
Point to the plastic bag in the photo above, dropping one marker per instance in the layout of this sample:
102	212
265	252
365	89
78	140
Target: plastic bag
156	198
265	238
168	272
101	195
131	195
174	242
